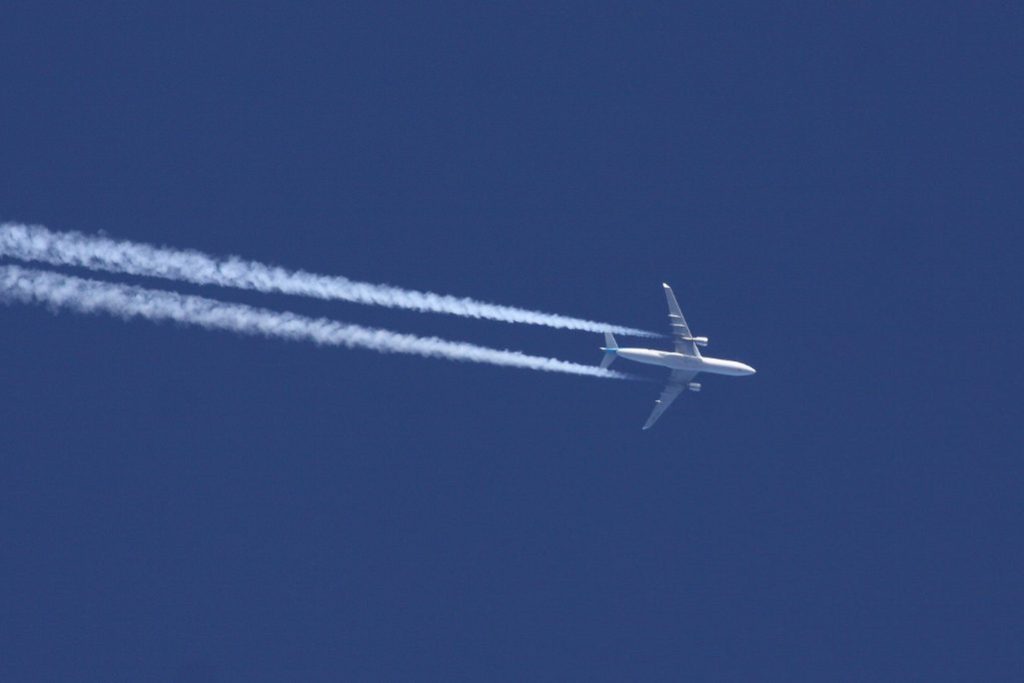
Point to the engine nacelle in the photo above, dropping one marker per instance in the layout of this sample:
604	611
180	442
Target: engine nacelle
693	386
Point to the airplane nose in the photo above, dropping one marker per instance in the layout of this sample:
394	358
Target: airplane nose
750	370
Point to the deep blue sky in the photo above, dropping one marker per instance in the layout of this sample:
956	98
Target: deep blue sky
834	192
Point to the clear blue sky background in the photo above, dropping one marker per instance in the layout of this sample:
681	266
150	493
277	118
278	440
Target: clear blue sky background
834	192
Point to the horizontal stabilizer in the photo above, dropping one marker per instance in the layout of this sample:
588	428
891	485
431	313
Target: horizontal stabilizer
609	348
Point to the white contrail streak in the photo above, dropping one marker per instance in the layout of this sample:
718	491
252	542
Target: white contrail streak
37	243
80	295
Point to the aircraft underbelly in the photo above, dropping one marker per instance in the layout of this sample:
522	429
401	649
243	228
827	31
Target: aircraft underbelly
674	361
680	362
641	356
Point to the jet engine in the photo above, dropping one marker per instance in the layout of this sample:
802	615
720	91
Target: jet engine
693	386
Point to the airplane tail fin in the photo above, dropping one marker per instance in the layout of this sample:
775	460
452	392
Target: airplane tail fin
610	348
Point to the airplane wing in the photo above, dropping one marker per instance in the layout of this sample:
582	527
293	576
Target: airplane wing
680	330
676	384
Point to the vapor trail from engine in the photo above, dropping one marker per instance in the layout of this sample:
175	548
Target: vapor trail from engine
65	292
37	243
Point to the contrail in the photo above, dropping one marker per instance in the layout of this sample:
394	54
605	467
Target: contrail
80	295
37	243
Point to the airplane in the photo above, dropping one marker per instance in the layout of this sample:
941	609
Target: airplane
685	362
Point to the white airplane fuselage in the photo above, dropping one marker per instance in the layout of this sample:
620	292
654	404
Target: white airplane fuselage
679	361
